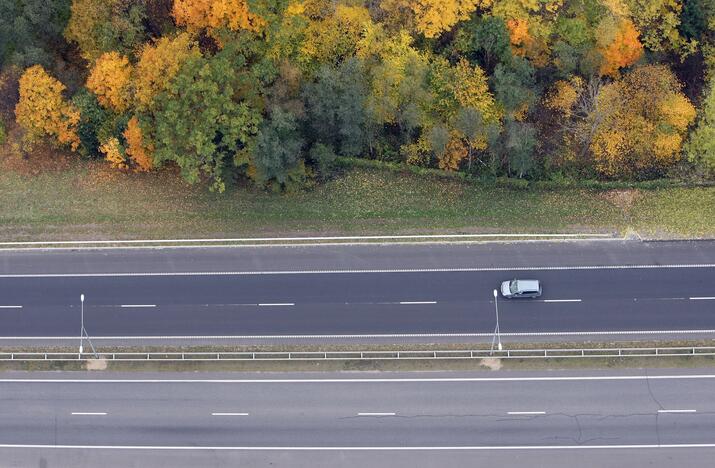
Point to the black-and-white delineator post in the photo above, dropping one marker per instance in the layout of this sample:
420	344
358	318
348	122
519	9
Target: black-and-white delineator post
82	331
497	336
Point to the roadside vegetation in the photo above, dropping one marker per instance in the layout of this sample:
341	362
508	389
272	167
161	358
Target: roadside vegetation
271	92
187	118
69	199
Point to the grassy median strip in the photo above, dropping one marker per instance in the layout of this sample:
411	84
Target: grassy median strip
635	354
86	200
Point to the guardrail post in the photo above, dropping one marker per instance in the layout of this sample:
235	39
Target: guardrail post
183	356
398	355
693	350
656	351
45	356
361	355
290	356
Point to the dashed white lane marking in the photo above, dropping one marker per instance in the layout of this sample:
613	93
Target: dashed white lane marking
353	271
276	304
229	414
703	298
525	413
400	448
562	300
417	302
78	413
137	305
376	414
10	307
677	411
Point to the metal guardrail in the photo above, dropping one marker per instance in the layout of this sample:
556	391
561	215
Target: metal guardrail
363	355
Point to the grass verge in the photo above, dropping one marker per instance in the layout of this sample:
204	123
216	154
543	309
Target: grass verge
70	199
259	365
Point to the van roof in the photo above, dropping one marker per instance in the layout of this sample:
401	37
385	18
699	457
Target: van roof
527	285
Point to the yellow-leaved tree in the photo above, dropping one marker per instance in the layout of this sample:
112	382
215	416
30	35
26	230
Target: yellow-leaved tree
645	117
158	65
110	79
42	111
213	14
336	37
433	17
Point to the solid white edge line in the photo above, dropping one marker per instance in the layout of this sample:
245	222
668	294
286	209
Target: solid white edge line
586	378
229	414
324	272
276	304
417	302
79	413
386	335
677	411
376	414
318	244
525	413
10	307
562	300
298	239
359	448
704	298
137	305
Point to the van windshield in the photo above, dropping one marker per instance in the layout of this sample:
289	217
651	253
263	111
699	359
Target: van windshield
514	287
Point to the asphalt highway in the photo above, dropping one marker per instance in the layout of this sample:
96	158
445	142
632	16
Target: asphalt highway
346	291
471	413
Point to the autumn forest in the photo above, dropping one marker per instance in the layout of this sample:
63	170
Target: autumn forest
275	91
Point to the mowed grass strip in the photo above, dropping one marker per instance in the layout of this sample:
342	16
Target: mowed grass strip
84	200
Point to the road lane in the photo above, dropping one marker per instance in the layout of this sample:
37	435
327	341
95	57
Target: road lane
359	303
360	413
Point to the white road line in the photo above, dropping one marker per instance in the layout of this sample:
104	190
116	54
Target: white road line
376	335
704	298
677	411
276	304
374	380
298	239
88	414
562	300
376	414
10	307
525	413
229	414
137	305
417	302
180	448
354	271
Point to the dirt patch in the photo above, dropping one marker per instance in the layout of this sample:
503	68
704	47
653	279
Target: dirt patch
491	363
623	199
41	159
96	364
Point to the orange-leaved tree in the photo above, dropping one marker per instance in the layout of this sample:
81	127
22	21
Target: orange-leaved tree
42	110
645	119
138	149
110	79
619	45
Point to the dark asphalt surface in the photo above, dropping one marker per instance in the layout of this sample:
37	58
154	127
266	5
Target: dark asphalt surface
295	413
260	302
358	303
